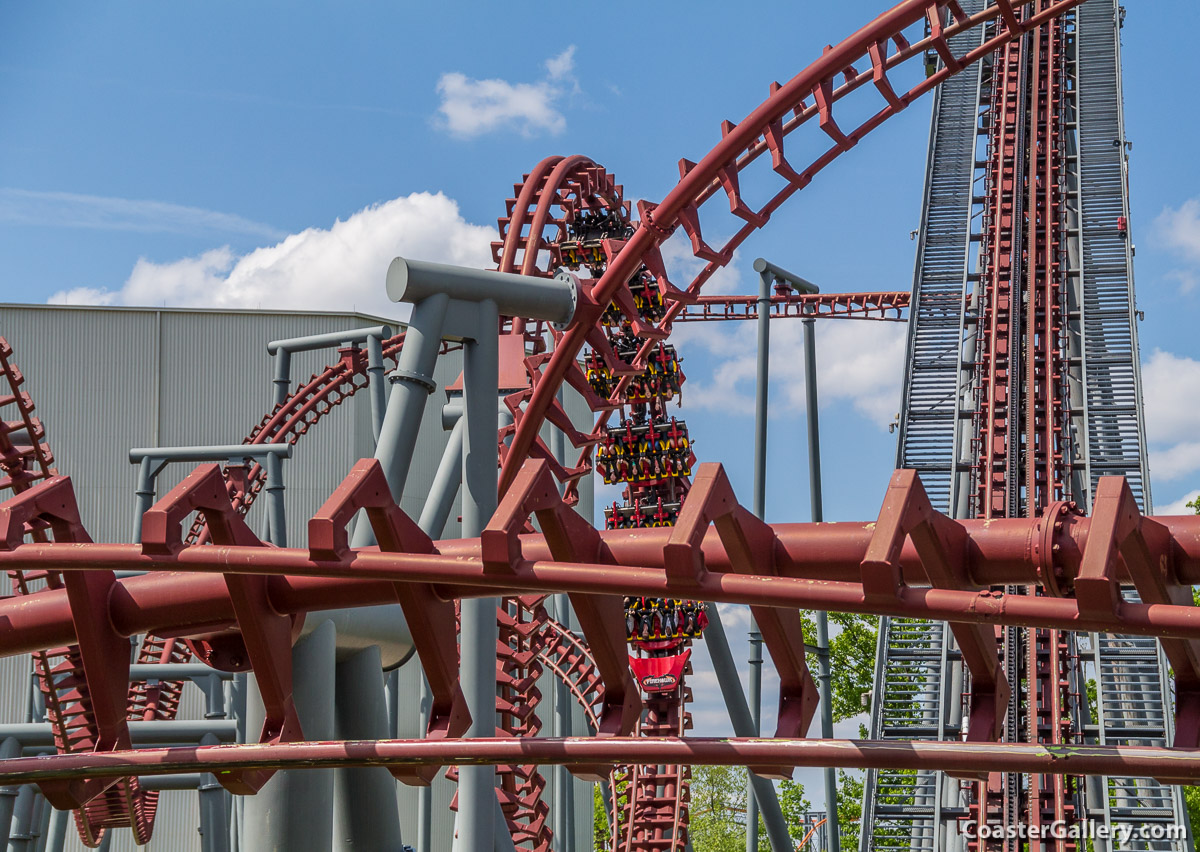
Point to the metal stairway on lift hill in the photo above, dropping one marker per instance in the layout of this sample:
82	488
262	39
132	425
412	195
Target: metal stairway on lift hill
907	809
919	677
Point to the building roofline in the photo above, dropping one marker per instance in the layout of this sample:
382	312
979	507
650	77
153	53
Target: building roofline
370	318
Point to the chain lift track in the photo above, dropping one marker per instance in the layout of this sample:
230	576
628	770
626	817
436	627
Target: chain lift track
871	60
997	416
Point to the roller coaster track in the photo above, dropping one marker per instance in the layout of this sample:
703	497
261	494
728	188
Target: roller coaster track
534	233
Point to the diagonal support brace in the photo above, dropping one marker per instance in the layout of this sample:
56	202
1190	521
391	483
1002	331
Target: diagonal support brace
908	514
266	635
102	651
431	621
751	545
1118	531
602	617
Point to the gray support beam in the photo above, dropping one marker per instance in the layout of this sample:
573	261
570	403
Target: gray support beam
818	515
20	838
425	794
761	395
743	726
44	812
445	485
481	376
152	460
8	794
156	733
367	816
148	471
214	810
276	513
375	375
58	829
412	383
373	336
551	299
292	811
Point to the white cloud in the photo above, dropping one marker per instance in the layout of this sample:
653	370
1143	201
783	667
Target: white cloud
1179	507
1175	462
1171	386
859	362
561	67
339	268
473	107
1179	228
82	296
72	210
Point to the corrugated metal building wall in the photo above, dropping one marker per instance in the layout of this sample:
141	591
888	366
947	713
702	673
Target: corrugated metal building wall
108	379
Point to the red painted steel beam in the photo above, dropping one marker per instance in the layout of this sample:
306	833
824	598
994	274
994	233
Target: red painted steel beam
814	564
1183	765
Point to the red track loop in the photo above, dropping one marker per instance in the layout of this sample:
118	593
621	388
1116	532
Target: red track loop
879	48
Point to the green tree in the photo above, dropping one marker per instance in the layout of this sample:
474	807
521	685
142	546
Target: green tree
600	832
849	810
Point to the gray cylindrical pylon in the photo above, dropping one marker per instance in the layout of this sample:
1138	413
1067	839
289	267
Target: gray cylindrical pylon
481	376
214	810
761	393
275	504
412	383
552	299
9	748
59	826
818	515
292	811
743	726
445	485
20	838
366	814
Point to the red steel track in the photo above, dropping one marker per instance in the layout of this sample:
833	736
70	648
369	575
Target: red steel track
532	237
877	306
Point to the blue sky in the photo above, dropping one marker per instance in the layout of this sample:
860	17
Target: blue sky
279	154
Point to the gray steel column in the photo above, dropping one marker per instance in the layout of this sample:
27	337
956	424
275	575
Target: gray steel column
477	801
433	519
761	386
276	513
214	809
563	815
292	811
56	833
445	484
44	810
424	794
366	814
19	838
378	391
743	726
412	383
8	748
818	515
145	492
282	379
